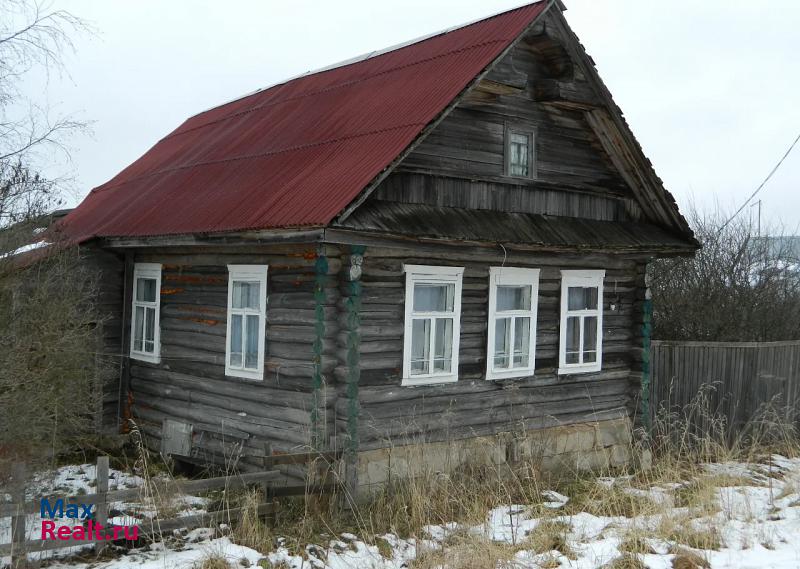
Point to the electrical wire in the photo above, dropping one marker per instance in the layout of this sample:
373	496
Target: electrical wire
758	189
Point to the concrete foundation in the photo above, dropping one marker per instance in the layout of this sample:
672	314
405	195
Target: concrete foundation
586	446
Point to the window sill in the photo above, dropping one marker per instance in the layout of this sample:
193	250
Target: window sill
515	374
145	358
423	381
570	370
244	374
529	178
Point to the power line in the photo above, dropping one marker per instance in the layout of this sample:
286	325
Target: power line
758	189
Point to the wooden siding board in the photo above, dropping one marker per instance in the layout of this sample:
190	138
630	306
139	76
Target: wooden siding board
426	221
735	378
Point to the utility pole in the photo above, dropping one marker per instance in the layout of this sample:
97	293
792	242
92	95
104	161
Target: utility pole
758	226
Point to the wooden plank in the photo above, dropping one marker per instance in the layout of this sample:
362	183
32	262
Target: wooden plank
17	547
101	516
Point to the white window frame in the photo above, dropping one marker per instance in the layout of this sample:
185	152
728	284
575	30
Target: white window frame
580	278
511	276
147	271
247	273
424	274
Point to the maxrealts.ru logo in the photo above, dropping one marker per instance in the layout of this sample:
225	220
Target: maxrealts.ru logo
91	531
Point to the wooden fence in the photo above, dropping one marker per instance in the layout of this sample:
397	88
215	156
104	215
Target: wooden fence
20	508
736	378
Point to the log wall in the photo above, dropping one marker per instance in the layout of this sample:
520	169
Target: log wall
391	414
288	408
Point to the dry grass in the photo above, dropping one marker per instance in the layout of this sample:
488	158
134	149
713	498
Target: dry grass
549	536
685	559
250	530
475	552
681	530
625	561
384	548
636	544
611	500
700	495
406	506
213	560
159	491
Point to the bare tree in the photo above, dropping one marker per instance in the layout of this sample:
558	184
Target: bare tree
50	369
739	286
33	39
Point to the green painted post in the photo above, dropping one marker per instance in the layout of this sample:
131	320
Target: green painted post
353	291
647	326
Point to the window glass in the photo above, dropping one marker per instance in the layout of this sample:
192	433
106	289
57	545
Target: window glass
251	352
522	330
589	339
513	298
138	329
420	346
519	147
150	330
582	298
573	339
145	290
236	340
443	345
502	339
433	297
246	295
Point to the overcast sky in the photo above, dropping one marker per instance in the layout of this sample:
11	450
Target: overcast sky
711	89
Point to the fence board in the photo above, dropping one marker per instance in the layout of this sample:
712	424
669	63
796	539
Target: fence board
738	378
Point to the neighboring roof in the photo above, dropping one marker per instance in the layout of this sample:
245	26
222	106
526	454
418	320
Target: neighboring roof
427	221
298	153
785	247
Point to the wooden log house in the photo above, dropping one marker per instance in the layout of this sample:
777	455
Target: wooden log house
435	251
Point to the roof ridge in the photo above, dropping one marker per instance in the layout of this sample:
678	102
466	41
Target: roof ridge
371	54
327	89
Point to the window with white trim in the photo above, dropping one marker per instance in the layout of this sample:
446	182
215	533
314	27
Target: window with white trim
247	315
432	324
581	342
513	296
145	320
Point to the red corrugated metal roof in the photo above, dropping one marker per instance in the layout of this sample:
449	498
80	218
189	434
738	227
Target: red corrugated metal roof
298	153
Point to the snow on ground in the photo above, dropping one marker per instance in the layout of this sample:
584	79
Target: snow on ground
757	520
79	479
25	249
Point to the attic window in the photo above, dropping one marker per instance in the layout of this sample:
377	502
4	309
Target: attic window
520	153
